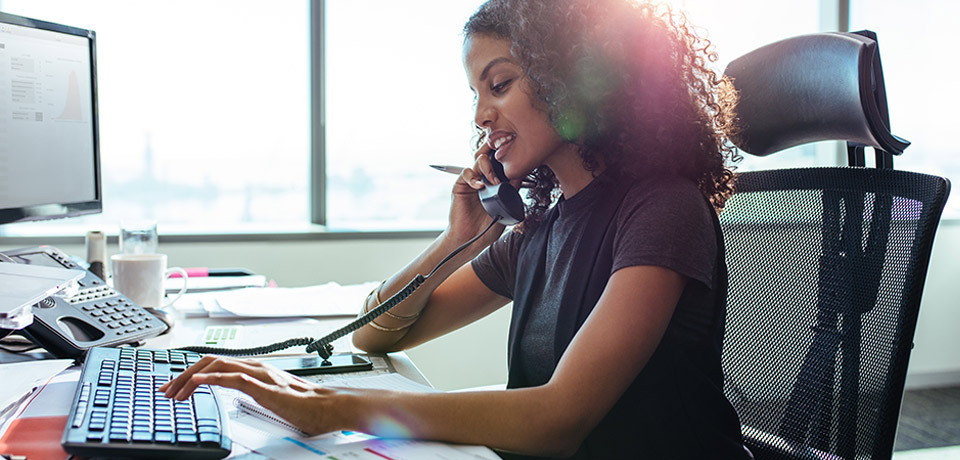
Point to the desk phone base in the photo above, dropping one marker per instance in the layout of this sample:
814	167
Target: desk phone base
94	316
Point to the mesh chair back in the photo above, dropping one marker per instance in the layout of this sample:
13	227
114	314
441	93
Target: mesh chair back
826	269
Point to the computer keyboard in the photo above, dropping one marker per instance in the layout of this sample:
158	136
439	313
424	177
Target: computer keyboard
119	412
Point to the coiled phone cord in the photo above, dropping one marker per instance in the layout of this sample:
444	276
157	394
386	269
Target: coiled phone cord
323	346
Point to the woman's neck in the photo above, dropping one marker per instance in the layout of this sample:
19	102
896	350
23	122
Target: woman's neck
568	168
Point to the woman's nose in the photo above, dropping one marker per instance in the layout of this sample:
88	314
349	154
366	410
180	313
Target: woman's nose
485	115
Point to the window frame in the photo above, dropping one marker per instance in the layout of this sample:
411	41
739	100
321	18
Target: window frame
318	114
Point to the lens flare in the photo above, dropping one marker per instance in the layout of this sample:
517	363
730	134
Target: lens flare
387	427
570	124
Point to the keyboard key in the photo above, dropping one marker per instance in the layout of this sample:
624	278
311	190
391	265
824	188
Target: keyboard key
211	438
204	404
210	422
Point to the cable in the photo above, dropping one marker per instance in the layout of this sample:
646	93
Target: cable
323	345
463	246
15	343
250	351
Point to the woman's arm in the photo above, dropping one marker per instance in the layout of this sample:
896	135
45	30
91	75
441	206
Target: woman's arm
454	295
447	301
603	359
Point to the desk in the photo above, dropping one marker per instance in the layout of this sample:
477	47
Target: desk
189	331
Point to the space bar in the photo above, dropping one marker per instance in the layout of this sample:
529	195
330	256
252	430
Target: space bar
205	406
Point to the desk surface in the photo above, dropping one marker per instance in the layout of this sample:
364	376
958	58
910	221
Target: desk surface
189	331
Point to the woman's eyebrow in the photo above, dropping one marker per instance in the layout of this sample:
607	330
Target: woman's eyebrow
486	70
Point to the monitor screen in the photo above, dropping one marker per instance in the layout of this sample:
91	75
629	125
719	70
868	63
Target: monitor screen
49	147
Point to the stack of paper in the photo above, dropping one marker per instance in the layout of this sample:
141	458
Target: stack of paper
35	428
20	379
329	299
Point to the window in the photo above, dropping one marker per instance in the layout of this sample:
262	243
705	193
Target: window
205	106
738	27
397	100
204	111
396	105
918	68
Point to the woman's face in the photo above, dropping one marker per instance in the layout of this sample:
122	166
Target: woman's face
520	132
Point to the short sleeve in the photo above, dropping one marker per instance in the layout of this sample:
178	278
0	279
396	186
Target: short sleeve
496	266
667	223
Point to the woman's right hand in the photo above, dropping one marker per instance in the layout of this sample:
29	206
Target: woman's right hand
467	216
304	404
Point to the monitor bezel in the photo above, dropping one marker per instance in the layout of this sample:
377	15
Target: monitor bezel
62	210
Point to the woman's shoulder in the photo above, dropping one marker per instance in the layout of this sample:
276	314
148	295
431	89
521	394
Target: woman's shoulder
666	222
666	196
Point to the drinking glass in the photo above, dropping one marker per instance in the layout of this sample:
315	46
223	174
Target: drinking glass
138	236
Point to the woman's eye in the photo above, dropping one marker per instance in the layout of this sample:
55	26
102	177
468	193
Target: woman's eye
500	87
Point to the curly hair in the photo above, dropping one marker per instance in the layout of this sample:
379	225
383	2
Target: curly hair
628	82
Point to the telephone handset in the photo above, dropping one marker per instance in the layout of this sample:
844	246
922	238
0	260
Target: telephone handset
501	201
93	316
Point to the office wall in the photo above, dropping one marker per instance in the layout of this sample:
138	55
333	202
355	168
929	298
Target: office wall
935	360
476	355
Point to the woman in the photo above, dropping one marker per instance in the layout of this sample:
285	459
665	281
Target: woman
616	275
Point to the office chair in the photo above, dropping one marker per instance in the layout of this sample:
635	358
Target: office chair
826	264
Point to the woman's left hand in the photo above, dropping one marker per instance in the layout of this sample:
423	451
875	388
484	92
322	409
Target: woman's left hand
303	404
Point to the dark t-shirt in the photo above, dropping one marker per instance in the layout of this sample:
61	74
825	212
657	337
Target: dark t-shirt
675	407
666	223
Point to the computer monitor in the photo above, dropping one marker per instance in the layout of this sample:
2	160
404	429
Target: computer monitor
49	146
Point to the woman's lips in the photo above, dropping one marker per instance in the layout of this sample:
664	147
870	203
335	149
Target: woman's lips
501	145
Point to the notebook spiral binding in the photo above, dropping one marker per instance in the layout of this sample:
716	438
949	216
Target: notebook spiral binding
253	408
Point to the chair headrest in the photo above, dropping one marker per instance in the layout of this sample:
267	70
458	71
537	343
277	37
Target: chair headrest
809	88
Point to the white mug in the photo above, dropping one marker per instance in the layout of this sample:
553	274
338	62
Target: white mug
140	277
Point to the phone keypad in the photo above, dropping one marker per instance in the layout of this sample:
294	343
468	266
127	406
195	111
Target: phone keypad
120	315
92	294
106	305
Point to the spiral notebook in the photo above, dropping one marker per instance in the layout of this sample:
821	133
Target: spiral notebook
383	382
249	406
